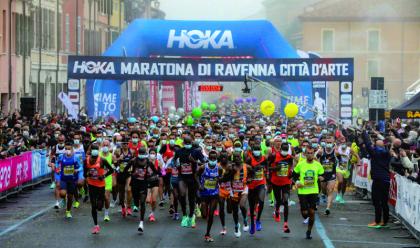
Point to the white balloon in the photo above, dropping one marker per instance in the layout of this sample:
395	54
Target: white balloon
171	116
172	109
177	117
181	111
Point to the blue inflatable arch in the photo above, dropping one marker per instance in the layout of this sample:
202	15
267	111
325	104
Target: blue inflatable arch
145	38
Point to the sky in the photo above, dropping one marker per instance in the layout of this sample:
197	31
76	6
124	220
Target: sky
210	9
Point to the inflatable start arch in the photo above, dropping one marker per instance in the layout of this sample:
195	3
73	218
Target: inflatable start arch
148	38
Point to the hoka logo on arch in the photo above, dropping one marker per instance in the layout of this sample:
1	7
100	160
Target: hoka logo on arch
198	39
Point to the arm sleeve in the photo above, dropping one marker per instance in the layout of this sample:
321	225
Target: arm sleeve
106	165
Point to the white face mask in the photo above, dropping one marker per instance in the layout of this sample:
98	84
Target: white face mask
152	156
284	153
68	152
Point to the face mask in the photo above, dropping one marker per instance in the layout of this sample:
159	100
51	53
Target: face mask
324	131
152	156
268	137
209	147
238	149
330	146
119	143
231	135
95	153
314	145
257	153
60	146
99	140
343	146
323	144
188	146
76	141
213	162
105	149
135	140
219	149
290	137
163	142
152	126
284	153
56	135
199	141
304	149
283	140
155	136
172	142
25	133
68	152
141	156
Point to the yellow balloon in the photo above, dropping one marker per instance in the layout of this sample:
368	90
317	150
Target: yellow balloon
291	110
267	107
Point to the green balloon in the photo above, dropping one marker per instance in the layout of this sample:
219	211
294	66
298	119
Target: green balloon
355	112
189	121
204	105
197	112
213	107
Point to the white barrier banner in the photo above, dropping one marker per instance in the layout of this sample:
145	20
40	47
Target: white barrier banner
408	201
361	172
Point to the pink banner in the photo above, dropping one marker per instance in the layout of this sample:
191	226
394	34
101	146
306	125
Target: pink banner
153	97
15	171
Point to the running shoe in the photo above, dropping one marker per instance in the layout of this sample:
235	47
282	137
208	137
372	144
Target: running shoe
82	192
96	230
112	204
135	209
192	222
216	212
286	228
76	204
52	186
237	232
171	210
258	225
175	216
338	198
246	227
106	218
327	211
140	228
57	205
383	225
224	231
184	222
152	217
276	216
68	215
292	203
308	235
161	204
342	200
129	211
306	221
62	203
197	212
271	203
208	238
374	225
252	230
124	212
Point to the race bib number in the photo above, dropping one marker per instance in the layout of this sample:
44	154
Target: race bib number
283	170
343	166
225	186
238	186
122	167
140	173
309	179
328	166
259	175
68	170
93	173
186	169
210	184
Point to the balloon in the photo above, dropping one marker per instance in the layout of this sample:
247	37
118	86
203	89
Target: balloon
355	112
249	99
267	107
291	110
213	107
181	111
131	120
177	117
204	105
254	99
154	118
172	109
197	112
189	121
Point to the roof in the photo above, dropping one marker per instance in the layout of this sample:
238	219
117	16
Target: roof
363	10
408	109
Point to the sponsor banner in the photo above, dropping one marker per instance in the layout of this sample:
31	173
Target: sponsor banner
301	94
346	103
15	171
408	201
217	69
73	91
168	96
153	88
320	101
361	174
393	189
40	166
70	106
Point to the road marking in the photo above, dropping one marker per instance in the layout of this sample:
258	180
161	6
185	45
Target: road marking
349	225
322	233
15	226
371	242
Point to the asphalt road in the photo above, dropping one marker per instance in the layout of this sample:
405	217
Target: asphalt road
29	221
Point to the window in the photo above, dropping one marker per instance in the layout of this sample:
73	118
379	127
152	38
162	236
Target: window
67	33
22	41
327	40
373	68
51	29
4	31
373	40
105	7
79	34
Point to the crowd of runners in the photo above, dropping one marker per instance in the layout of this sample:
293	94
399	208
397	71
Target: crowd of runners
227	162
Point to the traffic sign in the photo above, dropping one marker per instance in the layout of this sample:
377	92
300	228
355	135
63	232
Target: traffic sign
378	99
